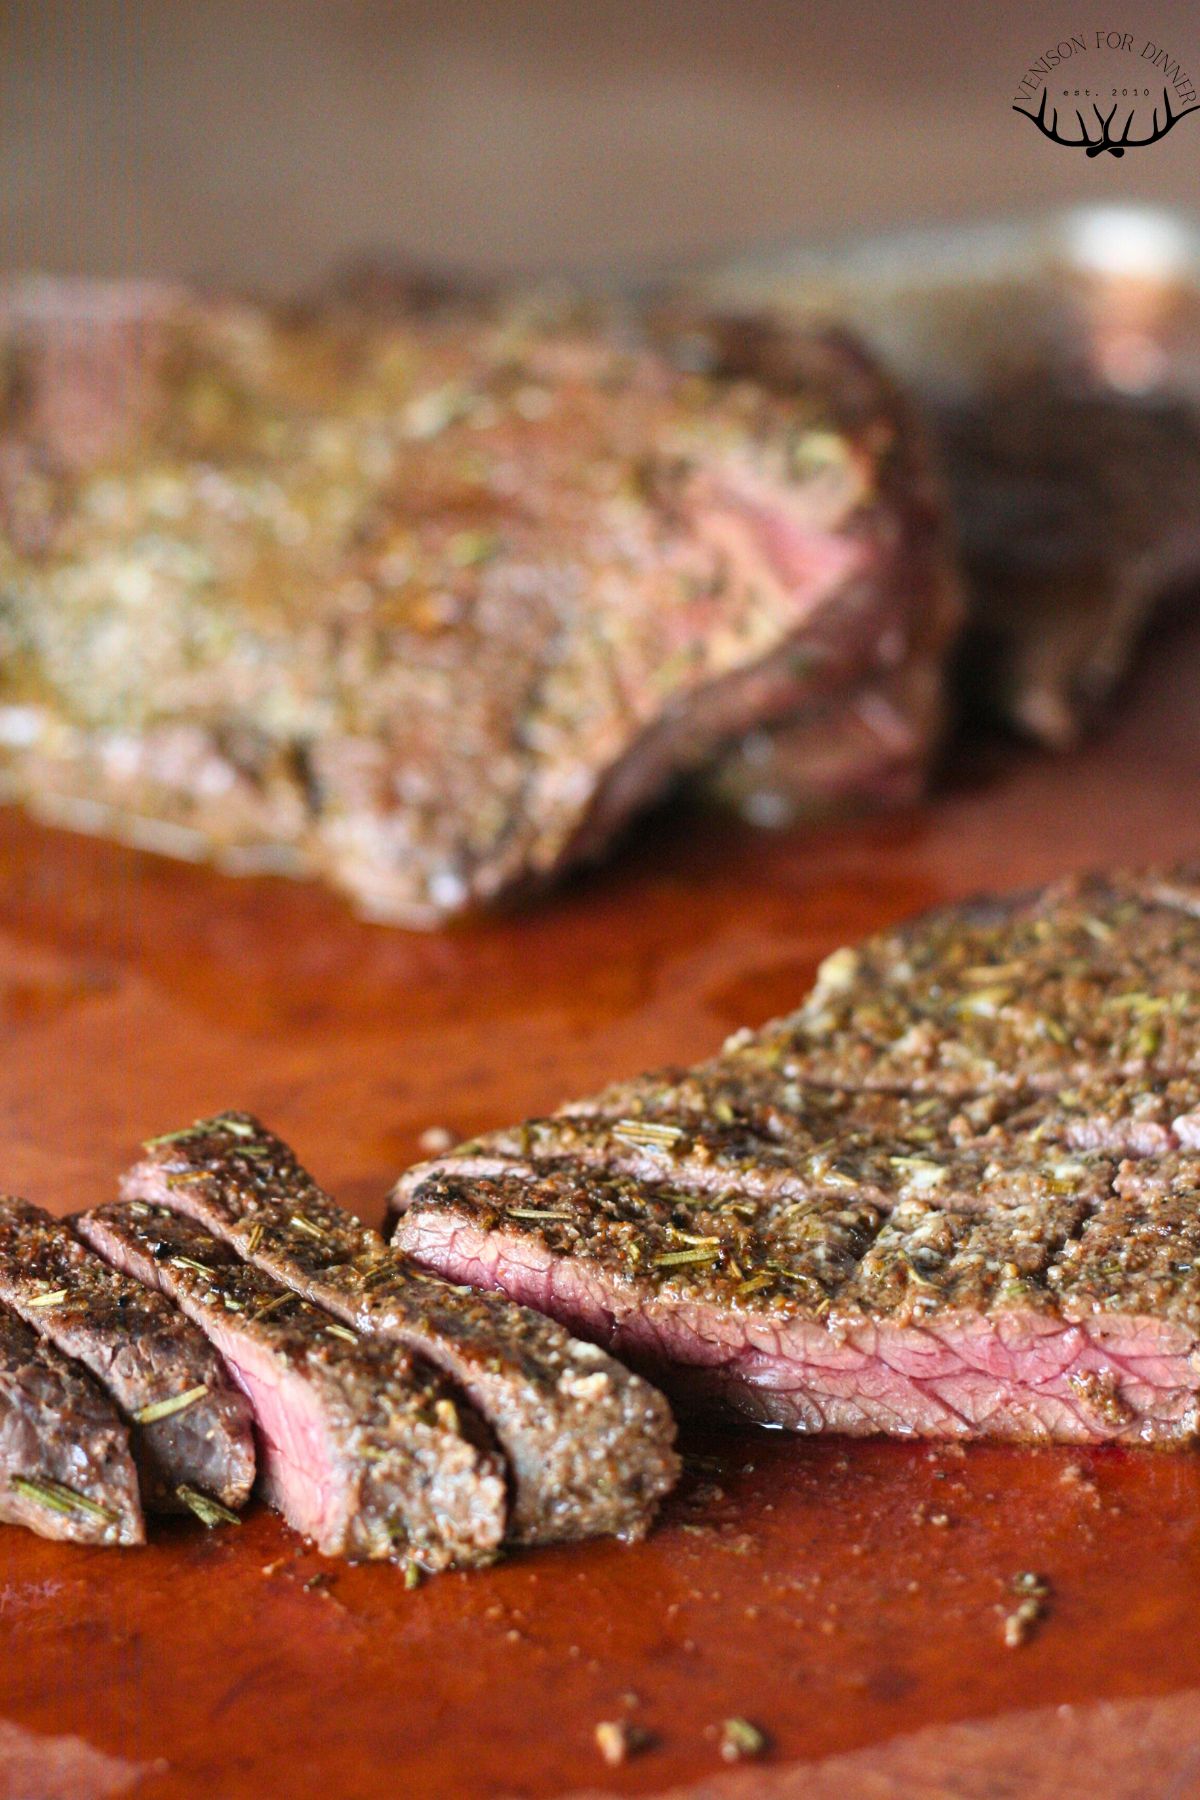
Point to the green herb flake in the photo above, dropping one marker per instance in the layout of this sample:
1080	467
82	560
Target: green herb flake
300	1223
646	1134
59	1498
210	1512
272	1305
741	1740
54	1299
166	1409
669	1258
231	1123
470	549
171	1137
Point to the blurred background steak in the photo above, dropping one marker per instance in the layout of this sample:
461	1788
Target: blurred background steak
428	601
1056	361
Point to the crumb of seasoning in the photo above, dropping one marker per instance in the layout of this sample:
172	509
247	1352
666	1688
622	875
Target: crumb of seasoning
1034	1592
619	1739
741	1740
436	1138
317	1583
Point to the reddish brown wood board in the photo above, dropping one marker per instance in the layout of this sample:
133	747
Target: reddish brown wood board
840	1595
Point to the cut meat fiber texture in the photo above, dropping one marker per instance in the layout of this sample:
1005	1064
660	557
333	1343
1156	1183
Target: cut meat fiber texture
950	1196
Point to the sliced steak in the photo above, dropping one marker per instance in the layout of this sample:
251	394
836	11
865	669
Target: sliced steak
363	1449
900	1209
65	1467
830	1315
190	1426
589	1445
429	604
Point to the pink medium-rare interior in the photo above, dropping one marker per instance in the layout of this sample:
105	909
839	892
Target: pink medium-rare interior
1020	1374
296	1472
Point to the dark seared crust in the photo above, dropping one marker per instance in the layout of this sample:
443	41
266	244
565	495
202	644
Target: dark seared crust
790	1256
429	603
904	1207
712	1137
1093	979
1138	1257
928	1264
141	1351
401	1469
65	1467
589	1445
1148	1116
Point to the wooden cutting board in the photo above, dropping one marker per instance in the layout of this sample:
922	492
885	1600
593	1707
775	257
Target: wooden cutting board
848	1598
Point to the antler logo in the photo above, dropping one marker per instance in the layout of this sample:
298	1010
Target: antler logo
1105	74
1105	142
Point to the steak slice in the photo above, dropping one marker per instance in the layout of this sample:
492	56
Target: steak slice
830	1315
589	1445
429	604
787	1232
65	1467
363	1449
190	1427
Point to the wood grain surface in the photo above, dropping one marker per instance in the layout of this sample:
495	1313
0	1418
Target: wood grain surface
848	1598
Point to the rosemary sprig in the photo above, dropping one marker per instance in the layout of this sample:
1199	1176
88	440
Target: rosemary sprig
166	1409
210	1512
172	1137
60	1498
270	1306
231	1123
647	1134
